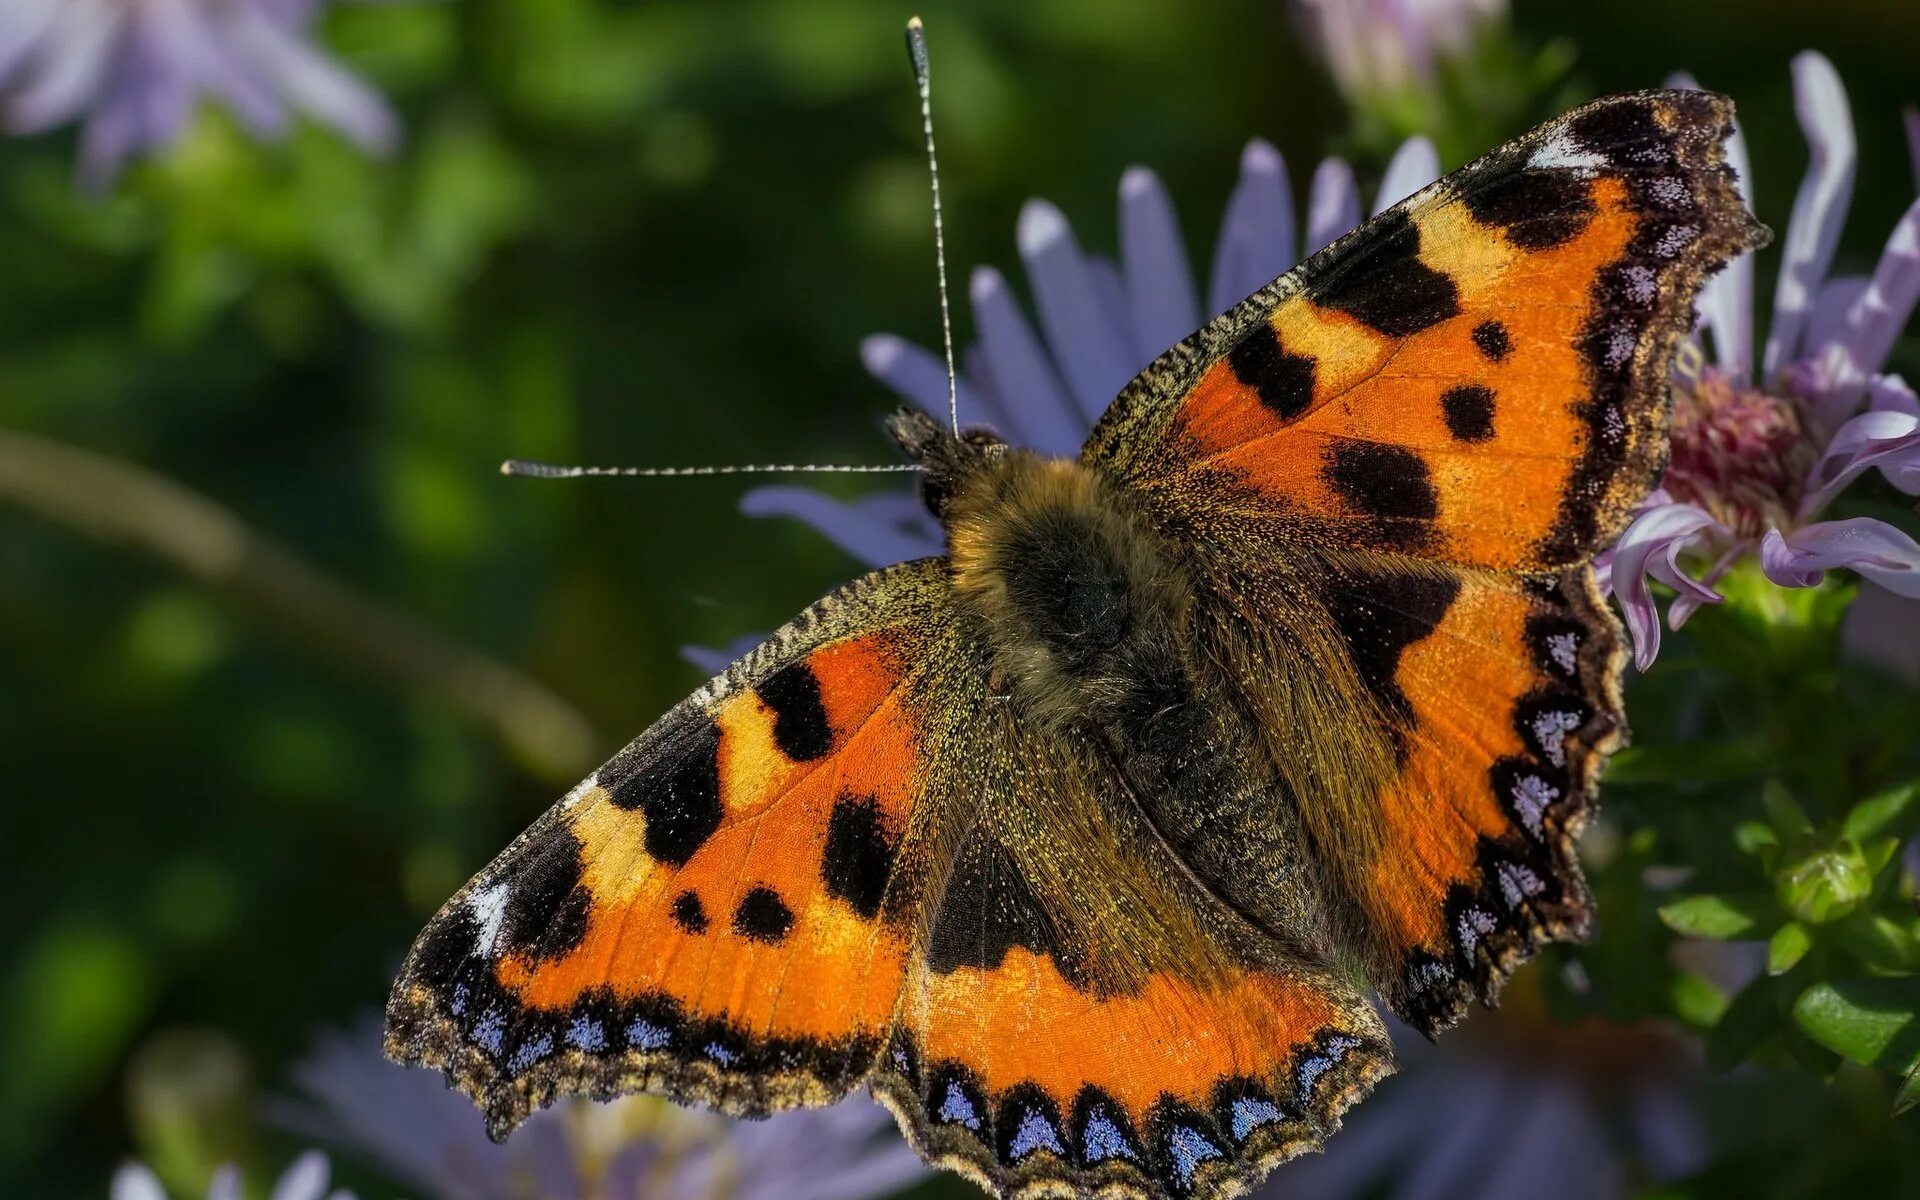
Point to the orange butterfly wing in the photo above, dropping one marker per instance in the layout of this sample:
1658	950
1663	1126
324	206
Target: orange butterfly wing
703	915
1410	447
1478	375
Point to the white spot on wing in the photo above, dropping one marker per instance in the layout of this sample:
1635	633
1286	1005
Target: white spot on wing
1561	150
580	790
489	909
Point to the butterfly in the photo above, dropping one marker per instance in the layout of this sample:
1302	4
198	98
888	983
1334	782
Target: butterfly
1084	844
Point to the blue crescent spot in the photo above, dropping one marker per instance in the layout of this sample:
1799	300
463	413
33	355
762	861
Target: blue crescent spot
1035	1133
489	1030
1250	1113
1103	1139
956	1109
585	1034
721	1054
531	1053
1311	1071
647	1036
1190	1148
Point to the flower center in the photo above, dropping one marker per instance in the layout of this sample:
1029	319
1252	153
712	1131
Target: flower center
1740	453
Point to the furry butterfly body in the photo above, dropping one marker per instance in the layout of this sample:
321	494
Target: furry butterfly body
1082	844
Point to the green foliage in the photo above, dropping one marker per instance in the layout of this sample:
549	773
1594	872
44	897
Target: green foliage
1799	851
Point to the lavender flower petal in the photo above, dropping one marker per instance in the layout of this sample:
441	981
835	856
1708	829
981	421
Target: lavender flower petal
305	1179
1039	413
1256	234
922	378
714	661
1874	549
1093	356
1820	206
76	50
1664	530
22	24
1882	310
1413	166
135	1181
860	527
1826	326
316	85
1159	283
1886	439
1333	204
1726	302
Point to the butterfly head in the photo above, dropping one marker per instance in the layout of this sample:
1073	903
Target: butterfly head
949	460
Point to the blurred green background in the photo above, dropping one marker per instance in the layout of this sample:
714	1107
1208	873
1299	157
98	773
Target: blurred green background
648	232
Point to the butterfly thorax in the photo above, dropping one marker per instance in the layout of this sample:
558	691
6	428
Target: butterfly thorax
1085	611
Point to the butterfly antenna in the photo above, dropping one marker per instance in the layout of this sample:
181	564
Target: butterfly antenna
917	52
527	469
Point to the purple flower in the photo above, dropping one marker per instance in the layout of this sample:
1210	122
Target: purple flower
134	70
305	1179
1386	46
1759	455
410	1123
1100	321
1517	1107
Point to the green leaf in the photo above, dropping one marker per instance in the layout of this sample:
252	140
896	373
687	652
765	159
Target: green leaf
1881	942
1909	1093
1882	814
1787	947
1719	916
1878	853
1696	1000
1871	1021
1785	813
1755	837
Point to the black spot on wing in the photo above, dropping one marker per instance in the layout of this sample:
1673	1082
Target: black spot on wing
1469	412
689	914
988	909
1378	617
1535	209
800	726
1388	482
675	786
763	916
1492	340
546	908
1625	132
1382	282
859	854
1283	381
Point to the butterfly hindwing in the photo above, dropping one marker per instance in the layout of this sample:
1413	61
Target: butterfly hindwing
708	914
1479	374
1082	1018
